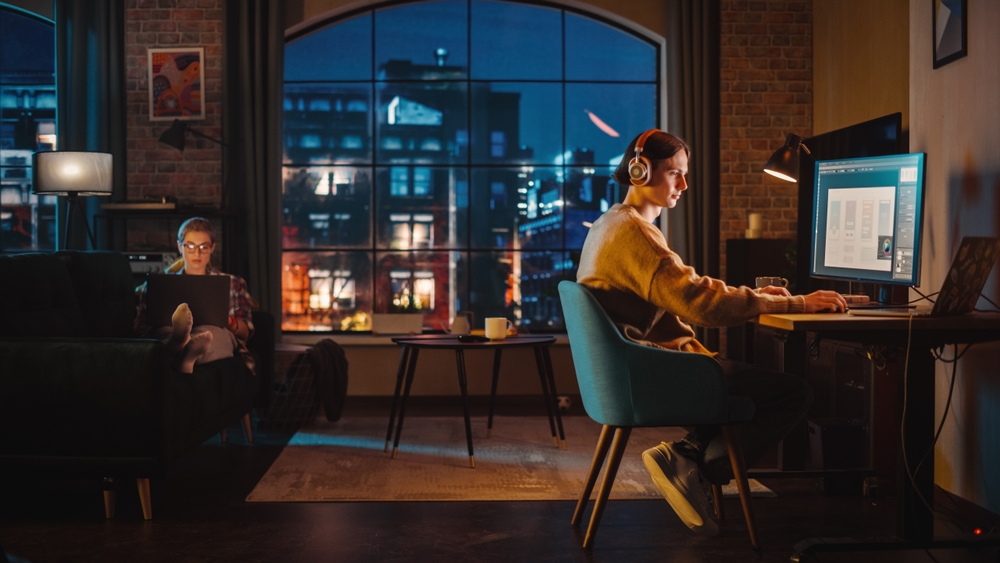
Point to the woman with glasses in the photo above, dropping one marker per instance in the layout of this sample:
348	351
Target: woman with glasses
198	344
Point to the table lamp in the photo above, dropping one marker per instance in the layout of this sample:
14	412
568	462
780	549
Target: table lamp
72	174
784	163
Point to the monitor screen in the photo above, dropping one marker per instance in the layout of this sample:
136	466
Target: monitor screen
867	219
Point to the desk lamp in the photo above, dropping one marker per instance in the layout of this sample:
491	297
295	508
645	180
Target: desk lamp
72	174
175	135
784	163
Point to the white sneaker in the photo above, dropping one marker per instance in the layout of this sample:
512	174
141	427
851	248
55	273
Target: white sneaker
676	477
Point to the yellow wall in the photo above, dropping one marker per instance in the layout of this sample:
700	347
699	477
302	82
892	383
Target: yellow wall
860	61
955	119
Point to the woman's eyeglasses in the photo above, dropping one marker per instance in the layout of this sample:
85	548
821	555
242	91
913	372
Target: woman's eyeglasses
201	248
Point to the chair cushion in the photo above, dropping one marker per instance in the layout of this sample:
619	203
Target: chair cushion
38	298
104	291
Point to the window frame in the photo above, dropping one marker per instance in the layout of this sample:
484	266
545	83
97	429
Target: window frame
334	16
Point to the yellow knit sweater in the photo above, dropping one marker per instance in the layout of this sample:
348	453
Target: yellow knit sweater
651	295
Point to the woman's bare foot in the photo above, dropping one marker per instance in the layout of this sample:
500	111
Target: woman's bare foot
197	345
183	322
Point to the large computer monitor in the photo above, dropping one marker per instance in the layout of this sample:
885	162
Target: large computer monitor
867	216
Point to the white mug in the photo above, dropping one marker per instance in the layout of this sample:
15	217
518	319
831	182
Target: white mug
497	327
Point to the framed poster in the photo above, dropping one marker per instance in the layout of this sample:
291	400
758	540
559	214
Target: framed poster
176	80
950	20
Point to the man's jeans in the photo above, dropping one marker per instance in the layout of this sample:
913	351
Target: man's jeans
781	400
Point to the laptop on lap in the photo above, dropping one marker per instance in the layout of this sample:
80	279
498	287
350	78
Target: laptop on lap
961	288
207	296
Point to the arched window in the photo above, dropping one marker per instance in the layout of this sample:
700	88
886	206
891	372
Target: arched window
27	124
450	155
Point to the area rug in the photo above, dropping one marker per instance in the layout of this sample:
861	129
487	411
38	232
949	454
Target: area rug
345	462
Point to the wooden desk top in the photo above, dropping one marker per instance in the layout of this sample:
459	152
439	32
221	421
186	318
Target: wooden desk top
841	322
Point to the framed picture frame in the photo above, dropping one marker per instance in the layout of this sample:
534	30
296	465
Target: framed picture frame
949	28
176	83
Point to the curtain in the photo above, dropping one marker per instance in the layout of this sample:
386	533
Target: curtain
90	91
252	90
693	114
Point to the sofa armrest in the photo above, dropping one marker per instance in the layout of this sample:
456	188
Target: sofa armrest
82	397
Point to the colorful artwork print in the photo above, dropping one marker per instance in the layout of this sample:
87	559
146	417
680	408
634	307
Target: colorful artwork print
176	77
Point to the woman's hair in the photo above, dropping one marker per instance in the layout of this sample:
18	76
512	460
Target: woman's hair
658	146
196	225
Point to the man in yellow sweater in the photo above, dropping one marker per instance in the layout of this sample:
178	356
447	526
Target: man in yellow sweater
652	297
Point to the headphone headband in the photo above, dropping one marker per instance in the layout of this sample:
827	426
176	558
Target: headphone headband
641	141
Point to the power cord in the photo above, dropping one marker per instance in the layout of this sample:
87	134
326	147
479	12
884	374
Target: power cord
922	296
995	306
902	429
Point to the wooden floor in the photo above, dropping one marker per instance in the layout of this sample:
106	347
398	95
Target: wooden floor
200	515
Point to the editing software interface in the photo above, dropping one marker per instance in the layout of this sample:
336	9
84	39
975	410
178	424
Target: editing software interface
867	217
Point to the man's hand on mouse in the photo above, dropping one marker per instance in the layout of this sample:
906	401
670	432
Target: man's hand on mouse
825	301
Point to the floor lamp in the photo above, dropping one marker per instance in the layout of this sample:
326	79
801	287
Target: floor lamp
72	174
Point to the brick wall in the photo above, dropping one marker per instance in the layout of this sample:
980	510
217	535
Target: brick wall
192	178
766	93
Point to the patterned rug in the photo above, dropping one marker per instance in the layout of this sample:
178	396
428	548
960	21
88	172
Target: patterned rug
345	461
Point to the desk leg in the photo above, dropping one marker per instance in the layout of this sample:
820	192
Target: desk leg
913	519
493	390
462	381
400	375
406	395
540	363
555	396
790	357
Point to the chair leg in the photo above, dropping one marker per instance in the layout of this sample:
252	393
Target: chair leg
720	511
740	472
603	443
109	499
144	498
246	428
614	460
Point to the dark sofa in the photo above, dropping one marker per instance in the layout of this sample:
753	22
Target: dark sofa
79	395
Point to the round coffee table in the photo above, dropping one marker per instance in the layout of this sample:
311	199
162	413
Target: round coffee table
411	346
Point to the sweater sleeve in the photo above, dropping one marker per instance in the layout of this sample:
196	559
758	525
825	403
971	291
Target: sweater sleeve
703	300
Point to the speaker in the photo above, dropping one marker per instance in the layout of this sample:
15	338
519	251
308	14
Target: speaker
640	170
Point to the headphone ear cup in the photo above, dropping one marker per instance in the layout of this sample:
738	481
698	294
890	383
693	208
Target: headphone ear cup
638	170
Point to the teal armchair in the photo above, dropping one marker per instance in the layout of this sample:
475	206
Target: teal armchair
624	385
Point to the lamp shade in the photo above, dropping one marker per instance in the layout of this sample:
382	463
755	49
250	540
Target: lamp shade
784	163
175	135
72	173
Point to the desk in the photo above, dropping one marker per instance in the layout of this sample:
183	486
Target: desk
411	346
914	522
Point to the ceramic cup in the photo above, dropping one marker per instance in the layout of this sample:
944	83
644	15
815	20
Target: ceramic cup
497	327
764	281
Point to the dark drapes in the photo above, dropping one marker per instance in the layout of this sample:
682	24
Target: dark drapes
693	113
252	83
90	89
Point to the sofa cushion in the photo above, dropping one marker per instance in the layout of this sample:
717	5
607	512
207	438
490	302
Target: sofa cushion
38	298
105	291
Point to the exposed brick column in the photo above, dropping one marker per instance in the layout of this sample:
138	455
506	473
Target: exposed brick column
193	178
766	93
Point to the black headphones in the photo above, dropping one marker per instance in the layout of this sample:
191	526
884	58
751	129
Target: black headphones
640	170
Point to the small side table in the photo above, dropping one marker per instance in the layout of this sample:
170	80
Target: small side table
411	346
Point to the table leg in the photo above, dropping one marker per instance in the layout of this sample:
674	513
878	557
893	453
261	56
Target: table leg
460	359
493	390
400	374
555	396
914	520
406	394
540	363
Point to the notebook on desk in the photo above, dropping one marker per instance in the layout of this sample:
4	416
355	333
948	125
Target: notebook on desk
961	288
207	296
